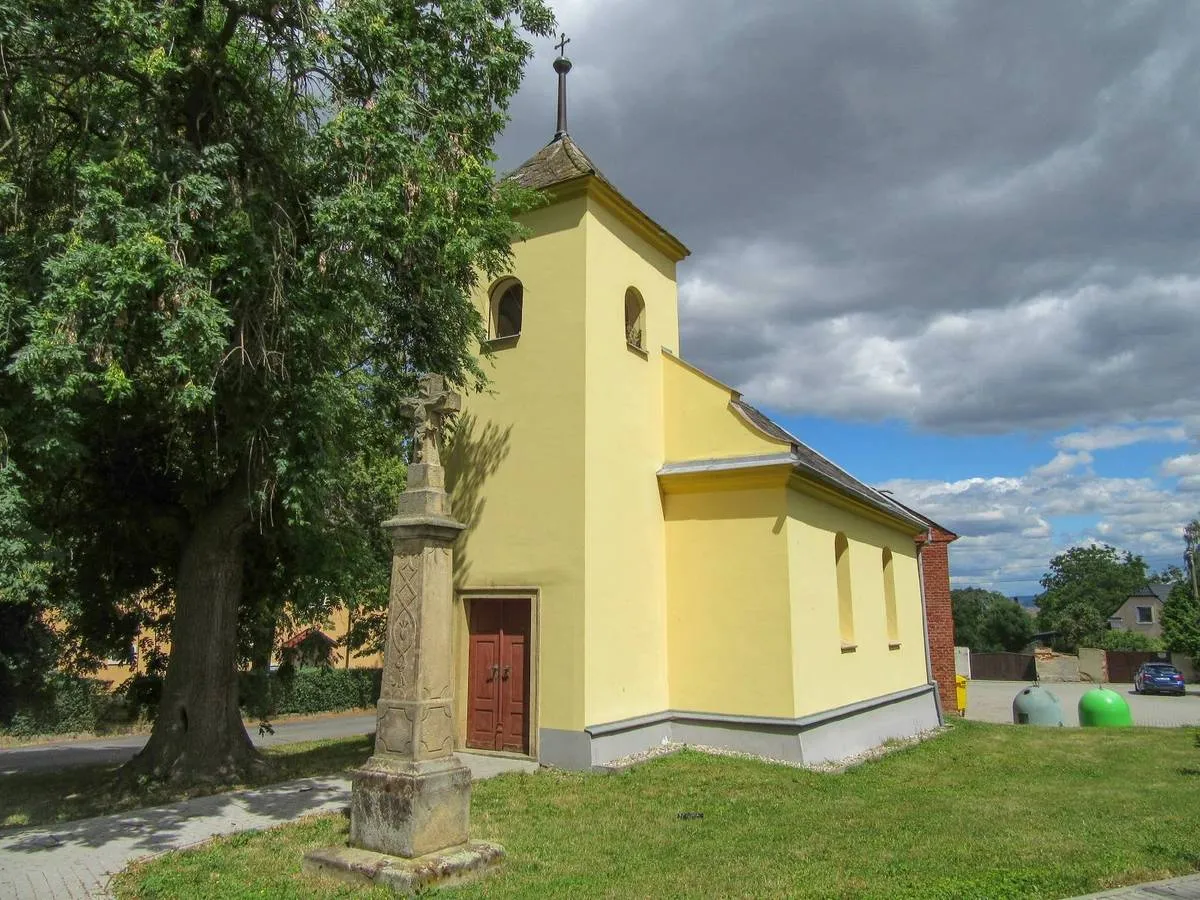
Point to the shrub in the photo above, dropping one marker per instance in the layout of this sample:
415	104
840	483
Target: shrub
1128	640
141	695
313	690
69	704
66	704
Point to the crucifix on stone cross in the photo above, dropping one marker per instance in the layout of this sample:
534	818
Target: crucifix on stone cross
432	407
561	46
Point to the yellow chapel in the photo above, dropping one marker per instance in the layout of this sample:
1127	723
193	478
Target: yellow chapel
647	556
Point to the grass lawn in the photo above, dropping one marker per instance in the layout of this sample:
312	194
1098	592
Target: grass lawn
38	798
982	811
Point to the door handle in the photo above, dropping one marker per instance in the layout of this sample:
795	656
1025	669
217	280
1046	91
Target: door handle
495	671
507	670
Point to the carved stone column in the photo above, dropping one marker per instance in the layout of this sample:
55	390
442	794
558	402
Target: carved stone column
413	796
410	802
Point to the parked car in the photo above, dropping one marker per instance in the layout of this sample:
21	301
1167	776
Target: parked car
1158	678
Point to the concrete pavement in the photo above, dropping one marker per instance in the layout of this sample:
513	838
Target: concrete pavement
1185	888
119	749
76	859
991	701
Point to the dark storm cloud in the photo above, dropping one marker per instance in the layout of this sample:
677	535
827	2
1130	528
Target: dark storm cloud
978	216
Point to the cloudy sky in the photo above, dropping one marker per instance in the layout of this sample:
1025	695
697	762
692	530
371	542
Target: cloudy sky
952	245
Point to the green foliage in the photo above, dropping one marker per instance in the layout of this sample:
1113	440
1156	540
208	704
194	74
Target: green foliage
24	556
1181	621
315	690
28	650
231	234
67	704
1171	574
1117	639
1083	587
284	692
987	621
140	694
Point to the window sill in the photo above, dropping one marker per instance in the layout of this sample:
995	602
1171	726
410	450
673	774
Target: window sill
893	645
502	343
636	350
849	648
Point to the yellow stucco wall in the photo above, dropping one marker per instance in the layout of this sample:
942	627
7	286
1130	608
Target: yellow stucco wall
711	593
728	607
825	676
515	468
625	615
699	422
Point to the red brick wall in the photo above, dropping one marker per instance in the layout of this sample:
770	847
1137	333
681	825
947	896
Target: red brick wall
935	555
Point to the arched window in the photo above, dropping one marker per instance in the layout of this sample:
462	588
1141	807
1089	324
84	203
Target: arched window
508	298
841	555
635	319
889	598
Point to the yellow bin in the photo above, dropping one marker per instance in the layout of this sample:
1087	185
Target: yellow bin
960	684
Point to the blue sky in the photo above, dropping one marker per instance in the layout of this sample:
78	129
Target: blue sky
951	244
916	456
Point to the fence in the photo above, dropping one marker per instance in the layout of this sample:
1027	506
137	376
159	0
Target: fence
1003	666
1123	664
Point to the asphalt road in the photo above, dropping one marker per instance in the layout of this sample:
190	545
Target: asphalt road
116	750
991	701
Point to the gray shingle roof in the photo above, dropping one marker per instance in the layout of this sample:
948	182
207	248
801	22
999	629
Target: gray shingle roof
562	161
814	464
559	161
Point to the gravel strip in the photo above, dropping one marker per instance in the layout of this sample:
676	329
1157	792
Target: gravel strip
832	767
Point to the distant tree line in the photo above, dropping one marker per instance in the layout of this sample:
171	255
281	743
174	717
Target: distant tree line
1082	588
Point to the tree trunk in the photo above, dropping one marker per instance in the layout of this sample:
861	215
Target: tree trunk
198	733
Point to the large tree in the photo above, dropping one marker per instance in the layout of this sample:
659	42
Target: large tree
1181	612
987	621
1181	621
231	231
1083	587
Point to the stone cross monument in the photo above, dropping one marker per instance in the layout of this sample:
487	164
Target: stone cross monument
410	802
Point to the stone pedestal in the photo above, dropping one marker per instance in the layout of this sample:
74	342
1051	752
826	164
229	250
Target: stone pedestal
410	809
410	802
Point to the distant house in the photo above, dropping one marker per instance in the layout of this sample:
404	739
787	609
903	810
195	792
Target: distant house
1142	611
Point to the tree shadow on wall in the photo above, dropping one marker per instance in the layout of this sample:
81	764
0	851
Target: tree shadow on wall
474	454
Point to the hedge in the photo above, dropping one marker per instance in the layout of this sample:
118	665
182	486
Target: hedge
71	704
311	690
67	704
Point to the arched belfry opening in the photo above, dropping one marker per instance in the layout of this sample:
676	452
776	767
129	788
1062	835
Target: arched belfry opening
635	319
507	309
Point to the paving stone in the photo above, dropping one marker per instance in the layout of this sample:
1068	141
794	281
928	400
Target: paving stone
76	860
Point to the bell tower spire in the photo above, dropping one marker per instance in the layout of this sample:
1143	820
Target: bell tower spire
562	66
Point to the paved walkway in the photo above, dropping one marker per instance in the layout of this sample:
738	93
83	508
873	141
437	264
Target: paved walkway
76	859
991	701
1186	888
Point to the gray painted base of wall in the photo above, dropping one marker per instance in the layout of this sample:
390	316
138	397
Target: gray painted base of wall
829	736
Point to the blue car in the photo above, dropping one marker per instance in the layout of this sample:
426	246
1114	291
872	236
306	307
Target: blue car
1158	678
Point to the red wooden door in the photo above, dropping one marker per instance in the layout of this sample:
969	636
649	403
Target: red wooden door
498	676
483	674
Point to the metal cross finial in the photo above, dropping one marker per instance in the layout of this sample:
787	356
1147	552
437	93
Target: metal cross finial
562	66
435	403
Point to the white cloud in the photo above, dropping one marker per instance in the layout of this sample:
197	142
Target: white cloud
1062	463
1007	527
1186	469
1109	437
1188	464
1043	362
969	248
